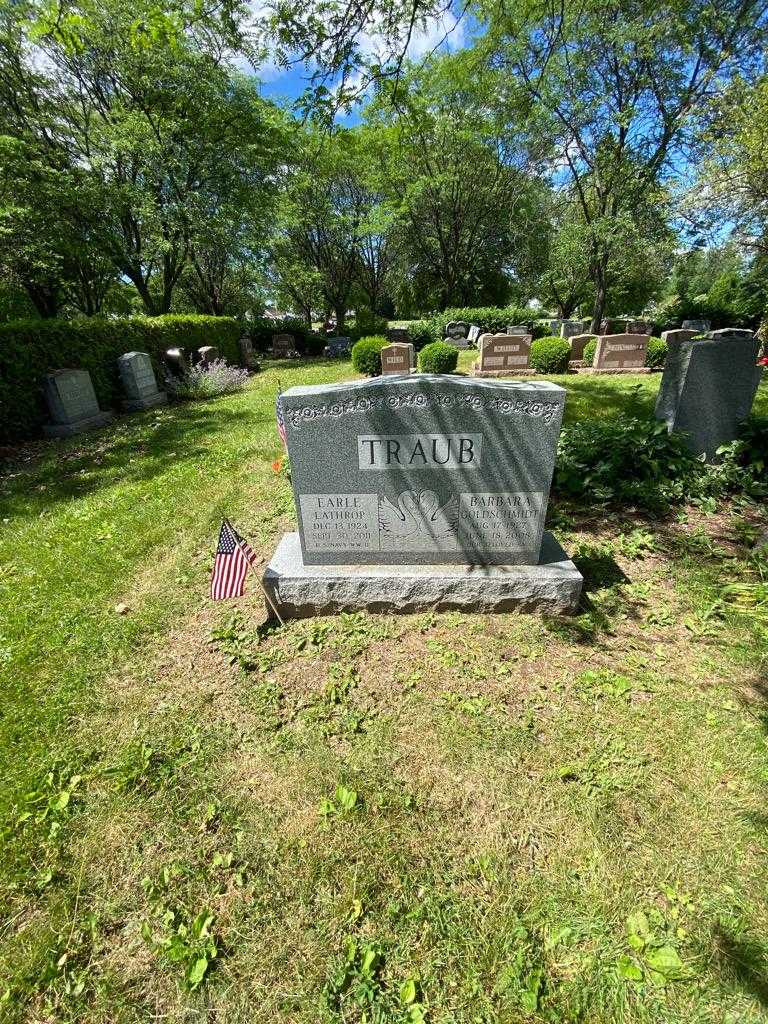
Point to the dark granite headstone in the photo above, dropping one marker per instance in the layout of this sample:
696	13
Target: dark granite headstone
175	362
399	335
569	328
456	330
283	346
518	329
139	384
338	347
700	326
72	403
422	469
206	355
730	334
247	355
707	389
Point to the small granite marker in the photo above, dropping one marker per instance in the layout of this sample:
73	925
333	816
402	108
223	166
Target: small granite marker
700	326
397	358
422	491
502	354
72	403
338	347
139	384
619	353
707	389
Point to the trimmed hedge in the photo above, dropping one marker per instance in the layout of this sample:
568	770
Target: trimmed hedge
438	357
31	348
490	320
550	355
366	355
654	357
261	329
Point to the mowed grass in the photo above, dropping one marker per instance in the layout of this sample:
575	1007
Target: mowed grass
449	818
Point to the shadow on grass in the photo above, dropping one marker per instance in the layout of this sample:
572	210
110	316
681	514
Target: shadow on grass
743	962
595	398
132	450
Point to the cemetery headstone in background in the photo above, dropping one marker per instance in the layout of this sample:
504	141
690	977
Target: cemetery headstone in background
456	333
707	389
473	334
554	326
397	358
398	334
730	334
569	328
639	327
696	325
338	347
619	353
578	344
72	403
247	357
503	354
175	362
283	346
518	329
139	384
677	335
404	487
207	354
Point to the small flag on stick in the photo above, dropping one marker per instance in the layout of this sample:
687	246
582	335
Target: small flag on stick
234	557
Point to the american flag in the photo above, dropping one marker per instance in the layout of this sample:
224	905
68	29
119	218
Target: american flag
234	557
280	420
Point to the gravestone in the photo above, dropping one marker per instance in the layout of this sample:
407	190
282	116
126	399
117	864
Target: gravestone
283	346
569	328
501	354
338	347
422	491
72	403
730	334
473	334
707	389
518	329
456	333
397	358
639	327
247	356
578	344
398	334
678	334
554	326
175	362
206	355
619	353
139	384
700	326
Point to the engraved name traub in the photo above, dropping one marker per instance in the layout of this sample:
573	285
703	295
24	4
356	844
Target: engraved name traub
419	451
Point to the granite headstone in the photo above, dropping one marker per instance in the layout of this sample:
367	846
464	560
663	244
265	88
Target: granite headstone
578	344
206	354
398	334
175	362
730	334
707	389
72	403
473	334
247	355
518	329
397	358
456	333
139	384
677	334
700	326
338	347
620	352
283	346
569	328
502	353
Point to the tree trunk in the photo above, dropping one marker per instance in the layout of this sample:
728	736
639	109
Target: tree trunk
44	298
601	294
341	317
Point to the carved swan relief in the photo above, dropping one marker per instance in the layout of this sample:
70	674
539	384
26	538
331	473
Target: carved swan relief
418	514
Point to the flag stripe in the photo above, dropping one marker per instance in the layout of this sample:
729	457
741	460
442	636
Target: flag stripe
233	560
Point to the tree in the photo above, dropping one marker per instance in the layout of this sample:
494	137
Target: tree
620	88
468	210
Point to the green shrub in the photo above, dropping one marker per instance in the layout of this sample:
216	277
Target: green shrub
366	355
540	330
656	354
589	352
420	333
627	461
438	357
367	324
31	348
550	355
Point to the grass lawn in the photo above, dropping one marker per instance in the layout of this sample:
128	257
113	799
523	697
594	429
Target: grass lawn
443	818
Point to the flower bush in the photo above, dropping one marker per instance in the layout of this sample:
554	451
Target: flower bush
439	357
217	378
366	355
550	355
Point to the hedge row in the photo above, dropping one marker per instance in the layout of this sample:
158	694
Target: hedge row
31	348
261	329
490	319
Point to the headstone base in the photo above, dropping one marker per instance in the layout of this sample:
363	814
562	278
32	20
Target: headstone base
147	402
77	426
622	369
511	374
576	364
298	590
